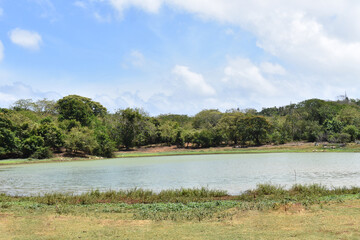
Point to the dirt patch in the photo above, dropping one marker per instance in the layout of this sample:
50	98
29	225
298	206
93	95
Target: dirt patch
135	223
295	208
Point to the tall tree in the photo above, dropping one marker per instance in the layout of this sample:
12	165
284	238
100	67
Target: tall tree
81	109
127	124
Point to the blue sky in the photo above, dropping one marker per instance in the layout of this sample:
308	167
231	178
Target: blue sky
172	56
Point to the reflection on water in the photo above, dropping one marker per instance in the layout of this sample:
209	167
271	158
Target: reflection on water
234	173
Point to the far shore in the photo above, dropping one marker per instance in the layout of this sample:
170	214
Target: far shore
158	150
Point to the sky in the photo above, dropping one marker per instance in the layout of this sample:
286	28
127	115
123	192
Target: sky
180	56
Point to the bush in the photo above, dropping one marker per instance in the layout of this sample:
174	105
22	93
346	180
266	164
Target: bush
31	145
352	131
339	138
42	153
105	146
344	137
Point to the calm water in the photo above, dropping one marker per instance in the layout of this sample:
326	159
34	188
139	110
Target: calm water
234	173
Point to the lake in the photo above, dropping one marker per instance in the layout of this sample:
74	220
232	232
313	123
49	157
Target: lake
232	172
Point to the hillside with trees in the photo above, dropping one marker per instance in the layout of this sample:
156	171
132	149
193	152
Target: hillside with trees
79	125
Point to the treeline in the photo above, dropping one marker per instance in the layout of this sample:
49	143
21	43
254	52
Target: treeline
77	124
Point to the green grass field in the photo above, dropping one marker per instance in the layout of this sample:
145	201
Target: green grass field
268	212
329	221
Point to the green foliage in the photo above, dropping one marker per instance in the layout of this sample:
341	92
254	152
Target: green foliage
42	106
42	153
352	131
7	136
23	104
206	118
81	139
81	109
170	133
67	125
105	146
31	144
182	120
203	138
349	116
51	134
34	129
333	125
339	138
256	128
232	128
127	125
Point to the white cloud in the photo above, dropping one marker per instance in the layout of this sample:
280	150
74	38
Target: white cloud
18	90
1	51
315	37
243	73
195	82
48	9
137	58
271	68
229	31
26	39
80	4
102	18
148	5
319	42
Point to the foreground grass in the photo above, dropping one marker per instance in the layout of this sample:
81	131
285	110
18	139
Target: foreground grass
332	221
267	212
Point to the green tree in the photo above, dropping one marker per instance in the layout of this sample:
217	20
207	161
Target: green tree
45	106
81	109
126	125
169	131
105	146
352	131
7	136
256	128
81	139
23	104
51	134
230	126
31	144
207	119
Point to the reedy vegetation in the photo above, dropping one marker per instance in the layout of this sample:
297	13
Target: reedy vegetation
79	125
182	204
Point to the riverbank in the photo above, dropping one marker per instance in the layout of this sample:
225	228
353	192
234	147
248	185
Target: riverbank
296	147
268	212
48	160
158	150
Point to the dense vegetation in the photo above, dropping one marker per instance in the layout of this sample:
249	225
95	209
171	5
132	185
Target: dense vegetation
78	125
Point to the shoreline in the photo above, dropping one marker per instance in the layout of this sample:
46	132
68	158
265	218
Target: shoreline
159	151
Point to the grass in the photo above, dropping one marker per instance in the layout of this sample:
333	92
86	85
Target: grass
267	212
295	148
48	160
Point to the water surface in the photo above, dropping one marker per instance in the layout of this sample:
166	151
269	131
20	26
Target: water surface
232	172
